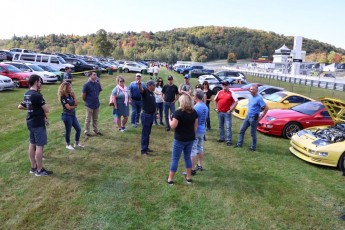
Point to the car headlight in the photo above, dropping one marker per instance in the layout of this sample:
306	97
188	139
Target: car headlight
46	75
320	142
317	153
270	118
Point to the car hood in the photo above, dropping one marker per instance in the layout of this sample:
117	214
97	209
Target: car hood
335	108
283	113
2	77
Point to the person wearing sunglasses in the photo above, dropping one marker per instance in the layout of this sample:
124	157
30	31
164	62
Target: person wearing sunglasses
120	101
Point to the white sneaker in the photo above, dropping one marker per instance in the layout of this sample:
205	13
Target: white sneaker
70	147
79	145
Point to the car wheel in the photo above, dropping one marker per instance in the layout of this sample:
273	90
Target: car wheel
16	83
126	70
341	163
290	129
216	90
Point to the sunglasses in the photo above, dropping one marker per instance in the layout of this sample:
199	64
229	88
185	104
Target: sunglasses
159	81
122	81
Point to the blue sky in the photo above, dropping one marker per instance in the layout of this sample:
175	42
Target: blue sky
319	20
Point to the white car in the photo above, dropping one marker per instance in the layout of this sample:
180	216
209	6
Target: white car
211	79
6	83
133	67
47	77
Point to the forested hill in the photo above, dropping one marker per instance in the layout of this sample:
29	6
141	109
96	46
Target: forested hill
189	44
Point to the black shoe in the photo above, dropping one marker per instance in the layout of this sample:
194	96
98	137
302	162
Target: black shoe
189	181
43	172
199	167
237	146
170	182
99	134
251	149
193	172
33	170
228	143
167	129
149	150
220	141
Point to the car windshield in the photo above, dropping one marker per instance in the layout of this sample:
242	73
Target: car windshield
62	60
36	68
308	108
13	69
276	97
48	68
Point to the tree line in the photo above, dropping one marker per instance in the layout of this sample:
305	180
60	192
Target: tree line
198	44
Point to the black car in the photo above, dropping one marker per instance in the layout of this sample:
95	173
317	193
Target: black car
80	65
6	55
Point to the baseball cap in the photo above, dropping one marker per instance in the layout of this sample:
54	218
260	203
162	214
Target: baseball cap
150	82
170	78
225	83
138	75
187	76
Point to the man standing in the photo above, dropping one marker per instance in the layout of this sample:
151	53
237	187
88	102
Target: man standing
170	95
36	119
224	103
148	114
67	76
186	87
255	105
90	94
198	145
135	96
156	71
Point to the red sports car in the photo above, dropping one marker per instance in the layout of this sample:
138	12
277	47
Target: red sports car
285	123
19	78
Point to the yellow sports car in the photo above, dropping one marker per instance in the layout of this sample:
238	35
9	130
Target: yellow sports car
279	100
323	145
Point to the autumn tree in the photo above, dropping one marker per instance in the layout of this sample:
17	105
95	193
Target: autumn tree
232	58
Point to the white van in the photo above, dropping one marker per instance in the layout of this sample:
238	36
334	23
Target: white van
43	59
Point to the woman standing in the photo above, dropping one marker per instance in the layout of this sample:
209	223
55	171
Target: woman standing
120	99
159	100
208	99
185	122
69	104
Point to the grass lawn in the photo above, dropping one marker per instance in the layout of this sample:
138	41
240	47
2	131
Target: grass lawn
108	185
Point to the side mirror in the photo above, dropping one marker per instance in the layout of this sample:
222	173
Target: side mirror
286	102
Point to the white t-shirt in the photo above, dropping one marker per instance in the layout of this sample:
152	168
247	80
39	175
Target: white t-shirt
158	94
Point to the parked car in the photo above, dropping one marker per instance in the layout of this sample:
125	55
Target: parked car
279	100
211	79
262	90
245	87
233	84
231	73
6	55
58	74
6	83
323	145
287	122
194	73
46	77
19	78
133	67
80	65
329	75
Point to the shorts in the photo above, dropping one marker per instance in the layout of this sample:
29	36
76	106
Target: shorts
198	145
38	135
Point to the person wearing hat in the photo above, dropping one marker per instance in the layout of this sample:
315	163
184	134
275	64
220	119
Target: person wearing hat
224	103
148	114
186	87
170	95
135	99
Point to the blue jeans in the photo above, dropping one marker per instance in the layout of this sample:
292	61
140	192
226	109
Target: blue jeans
146	122
177	148
159	107
71	121
253	123
225	118
168	106
136	110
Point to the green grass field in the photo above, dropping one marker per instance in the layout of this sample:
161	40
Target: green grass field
108	185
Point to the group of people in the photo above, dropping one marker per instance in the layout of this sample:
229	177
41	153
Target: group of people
148	100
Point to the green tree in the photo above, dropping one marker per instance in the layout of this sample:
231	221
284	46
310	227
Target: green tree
102	46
